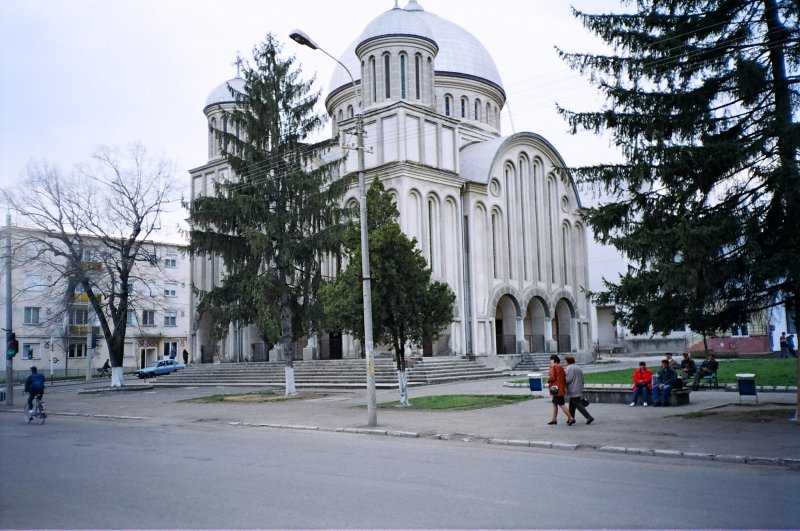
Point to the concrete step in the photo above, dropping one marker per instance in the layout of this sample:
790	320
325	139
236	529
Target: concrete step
327	373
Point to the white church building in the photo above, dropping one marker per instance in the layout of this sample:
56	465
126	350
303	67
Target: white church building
495	216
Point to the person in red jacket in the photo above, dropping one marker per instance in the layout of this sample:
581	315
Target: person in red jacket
642	382
557	381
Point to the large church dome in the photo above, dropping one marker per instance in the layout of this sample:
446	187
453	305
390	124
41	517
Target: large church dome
460	53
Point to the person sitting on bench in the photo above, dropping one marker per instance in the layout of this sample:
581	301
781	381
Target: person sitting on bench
707	368
688	367
642	382
666	380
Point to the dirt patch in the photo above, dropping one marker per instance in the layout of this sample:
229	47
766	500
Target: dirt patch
257	398
747	413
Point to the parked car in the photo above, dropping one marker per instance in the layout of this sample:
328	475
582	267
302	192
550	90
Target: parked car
165	366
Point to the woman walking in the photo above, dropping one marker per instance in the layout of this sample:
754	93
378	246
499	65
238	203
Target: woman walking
557	381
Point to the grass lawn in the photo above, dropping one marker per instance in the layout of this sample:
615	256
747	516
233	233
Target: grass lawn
457	402
768	372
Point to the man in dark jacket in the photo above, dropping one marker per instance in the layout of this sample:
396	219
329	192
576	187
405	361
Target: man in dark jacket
666	379
34	386
708	367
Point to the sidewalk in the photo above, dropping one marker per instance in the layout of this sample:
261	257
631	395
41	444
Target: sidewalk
749	433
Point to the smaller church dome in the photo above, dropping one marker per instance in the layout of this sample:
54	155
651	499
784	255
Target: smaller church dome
222	93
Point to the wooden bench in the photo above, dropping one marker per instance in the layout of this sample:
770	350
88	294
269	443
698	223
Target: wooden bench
621	394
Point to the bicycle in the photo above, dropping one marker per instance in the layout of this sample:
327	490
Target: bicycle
39	411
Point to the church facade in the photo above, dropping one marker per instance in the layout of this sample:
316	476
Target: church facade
495	216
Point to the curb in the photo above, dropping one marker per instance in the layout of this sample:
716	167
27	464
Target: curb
793	464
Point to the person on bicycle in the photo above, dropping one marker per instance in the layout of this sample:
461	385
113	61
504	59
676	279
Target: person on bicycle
34	386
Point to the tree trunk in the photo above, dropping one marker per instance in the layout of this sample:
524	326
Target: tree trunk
288	355
402	380
116	377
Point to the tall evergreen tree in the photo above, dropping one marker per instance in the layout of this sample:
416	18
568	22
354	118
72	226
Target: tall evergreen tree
702	101
413	309
278	215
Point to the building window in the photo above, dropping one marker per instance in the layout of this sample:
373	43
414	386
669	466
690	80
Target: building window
171	290
33	282
387	76
740	329
170	349
31	315
477	114
463	107
403	76
447	103
151	288
170	318
76	350
31	351
148	317
350	112
373	75
417	75
131	317
79	316
170	262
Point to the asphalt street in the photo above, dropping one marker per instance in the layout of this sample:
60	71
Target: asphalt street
115	472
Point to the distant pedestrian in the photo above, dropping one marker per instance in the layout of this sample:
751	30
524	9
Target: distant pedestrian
557	381
185	357
790	345
784	344
574	377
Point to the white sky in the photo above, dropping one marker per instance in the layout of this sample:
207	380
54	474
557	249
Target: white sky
75	74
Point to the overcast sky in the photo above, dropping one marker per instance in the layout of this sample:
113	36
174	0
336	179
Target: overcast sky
75	74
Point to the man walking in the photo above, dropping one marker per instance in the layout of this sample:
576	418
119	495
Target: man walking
574	376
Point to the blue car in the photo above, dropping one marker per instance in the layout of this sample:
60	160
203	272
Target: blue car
165	366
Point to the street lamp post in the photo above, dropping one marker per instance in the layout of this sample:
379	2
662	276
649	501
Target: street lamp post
372	409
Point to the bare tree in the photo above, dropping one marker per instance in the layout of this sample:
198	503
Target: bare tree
93	228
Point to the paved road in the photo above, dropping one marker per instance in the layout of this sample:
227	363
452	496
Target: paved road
91	472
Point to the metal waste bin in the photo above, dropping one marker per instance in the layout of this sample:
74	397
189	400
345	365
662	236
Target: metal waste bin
747	385
536	383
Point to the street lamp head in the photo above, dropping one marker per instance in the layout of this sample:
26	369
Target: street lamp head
301	37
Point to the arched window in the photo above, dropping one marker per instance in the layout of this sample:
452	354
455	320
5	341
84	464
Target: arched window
387	77
341	115
464	107
402	76
448	102
225	132
350	113
373	75
417	76
477	114
433	227
488	114
211	133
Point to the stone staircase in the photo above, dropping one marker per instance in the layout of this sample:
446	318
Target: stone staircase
533	362
347	373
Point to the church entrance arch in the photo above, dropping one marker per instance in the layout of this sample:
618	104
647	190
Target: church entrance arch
562	326
505	325
535	322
